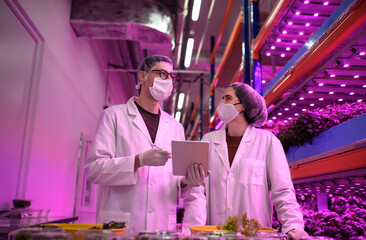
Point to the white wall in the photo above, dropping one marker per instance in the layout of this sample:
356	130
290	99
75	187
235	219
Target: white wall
71	95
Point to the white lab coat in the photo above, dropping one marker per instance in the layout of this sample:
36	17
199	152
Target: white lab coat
146	199
259	175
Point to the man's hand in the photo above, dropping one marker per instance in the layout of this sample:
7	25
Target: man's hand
154	157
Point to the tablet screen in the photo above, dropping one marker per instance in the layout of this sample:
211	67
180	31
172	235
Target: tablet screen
186	153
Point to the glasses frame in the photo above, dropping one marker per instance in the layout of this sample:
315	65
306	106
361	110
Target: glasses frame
164	74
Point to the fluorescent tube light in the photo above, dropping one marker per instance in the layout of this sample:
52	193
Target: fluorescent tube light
189	51
177	116
180	101
196	10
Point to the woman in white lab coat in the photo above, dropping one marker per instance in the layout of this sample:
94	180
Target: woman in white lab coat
249	170
130	159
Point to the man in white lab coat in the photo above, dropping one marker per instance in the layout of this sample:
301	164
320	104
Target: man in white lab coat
249	171
130	159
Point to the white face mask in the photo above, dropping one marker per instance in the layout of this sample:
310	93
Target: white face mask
161	89
227	112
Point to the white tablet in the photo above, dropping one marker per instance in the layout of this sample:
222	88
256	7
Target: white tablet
186	153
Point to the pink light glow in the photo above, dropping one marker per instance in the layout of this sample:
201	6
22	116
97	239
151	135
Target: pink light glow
340	100
332	75
346	65
310	92
296	114
304	109
288	49
273	117
286	109
279	114
297	13
301	33
364	86
321	84
326	3
312	104
351	93
331	92
316	14
219	125
273	47
359	100
290	118
282	55
362	53
356	76
268	54
284	32
290	23
293	104
301	98
307	24
321	99
306	2
263	81
294	41
278	40
343	85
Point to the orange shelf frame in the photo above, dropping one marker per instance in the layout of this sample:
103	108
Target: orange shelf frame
354	159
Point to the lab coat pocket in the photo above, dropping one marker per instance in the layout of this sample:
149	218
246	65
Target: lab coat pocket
251	172
114	215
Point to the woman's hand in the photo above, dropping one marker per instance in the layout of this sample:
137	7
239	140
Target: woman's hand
297	234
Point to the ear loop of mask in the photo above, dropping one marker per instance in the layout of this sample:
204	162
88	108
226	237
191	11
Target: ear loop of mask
138	85
239	103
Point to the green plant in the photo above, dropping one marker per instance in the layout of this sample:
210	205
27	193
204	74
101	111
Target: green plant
311	123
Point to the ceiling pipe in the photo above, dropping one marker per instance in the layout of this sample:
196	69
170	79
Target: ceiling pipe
218	39
204	33
180	30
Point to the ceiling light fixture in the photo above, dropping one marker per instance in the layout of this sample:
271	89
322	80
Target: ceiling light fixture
189	51
180	101
196	10
177	116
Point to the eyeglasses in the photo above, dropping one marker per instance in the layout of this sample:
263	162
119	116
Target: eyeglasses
164	74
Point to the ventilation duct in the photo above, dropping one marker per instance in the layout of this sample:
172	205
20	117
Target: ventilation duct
147	21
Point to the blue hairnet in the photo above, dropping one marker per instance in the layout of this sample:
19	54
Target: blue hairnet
255	107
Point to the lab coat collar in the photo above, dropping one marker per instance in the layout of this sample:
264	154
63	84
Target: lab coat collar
136	117
221	145
138	121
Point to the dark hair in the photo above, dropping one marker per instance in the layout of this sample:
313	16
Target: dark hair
149	62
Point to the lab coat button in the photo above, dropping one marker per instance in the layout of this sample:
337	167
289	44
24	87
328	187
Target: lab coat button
151	210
